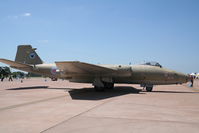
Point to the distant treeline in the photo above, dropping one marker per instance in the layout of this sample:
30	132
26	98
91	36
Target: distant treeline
33	75
5	72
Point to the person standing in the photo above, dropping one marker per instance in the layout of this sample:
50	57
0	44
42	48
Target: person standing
191	79
2	78
10	78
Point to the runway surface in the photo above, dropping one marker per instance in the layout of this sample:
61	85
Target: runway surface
37	105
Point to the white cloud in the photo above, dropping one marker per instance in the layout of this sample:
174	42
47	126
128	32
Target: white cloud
20	16
26	14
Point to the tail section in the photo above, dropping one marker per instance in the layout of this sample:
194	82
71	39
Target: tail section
27	55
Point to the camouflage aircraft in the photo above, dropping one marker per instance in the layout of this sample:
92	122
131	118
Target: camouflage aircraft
101	76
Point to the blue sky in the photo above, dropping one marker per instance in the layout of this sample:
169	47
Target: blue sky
104	31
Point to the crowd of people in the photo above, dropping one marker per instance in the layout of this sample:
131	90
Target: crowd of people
5	73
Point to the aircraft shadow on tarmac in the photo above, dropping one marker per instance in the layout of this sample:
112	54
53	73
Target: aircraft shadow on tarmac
31	87
38	87
91	94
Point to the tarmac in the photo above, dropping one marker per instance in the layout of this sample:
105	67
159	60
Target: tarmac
48	106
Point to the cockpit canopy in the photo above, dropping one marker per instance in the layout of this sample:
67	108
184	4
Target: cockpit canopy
153	63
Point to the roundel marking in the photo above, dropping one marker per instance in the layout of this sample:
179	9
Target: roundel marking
54	71
32	55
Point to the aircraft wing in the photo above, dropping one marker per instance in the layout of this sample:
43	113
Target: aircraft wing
15	64
76	67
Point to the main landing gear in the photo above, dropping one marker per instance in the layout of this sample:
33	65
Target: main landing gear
100	85
103	88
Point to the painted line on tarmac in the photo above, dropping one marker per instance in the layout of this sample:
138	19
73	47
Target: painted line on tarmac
79	114
38	101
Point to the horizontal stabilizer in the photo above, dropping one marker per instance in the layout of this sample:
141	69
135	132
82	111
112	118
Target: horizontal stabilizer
15	64
76	67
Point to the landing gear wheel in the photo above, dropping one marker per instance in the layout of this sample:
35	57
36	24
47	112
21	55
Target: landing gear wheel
54	79
108	85
99	89
149	89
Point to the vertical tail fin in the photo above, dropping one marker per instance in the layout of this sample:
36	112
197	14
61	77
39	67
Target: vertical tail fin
27	55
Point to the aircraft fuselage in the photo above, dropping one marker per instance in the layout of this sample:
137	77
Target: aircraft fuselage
131	74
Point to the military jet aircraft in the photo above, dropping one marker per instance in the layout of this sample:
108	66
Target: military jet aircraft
101	76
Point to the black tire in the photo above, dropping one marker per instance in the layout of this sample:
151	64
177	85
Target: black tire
108	85
149	89
54	79
99	89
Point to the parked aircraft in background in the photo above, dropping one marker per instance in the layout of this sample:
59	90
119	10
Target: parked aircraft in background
101	76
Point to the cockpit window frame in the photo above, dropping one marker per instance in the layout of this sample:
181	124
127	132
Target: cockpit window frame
153	63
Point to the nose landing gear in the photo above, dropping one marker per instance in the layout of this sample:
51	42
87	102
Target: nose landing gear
148	88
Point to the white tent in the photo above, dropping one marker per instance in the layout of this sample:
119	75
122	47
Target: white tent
197	75
193	74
